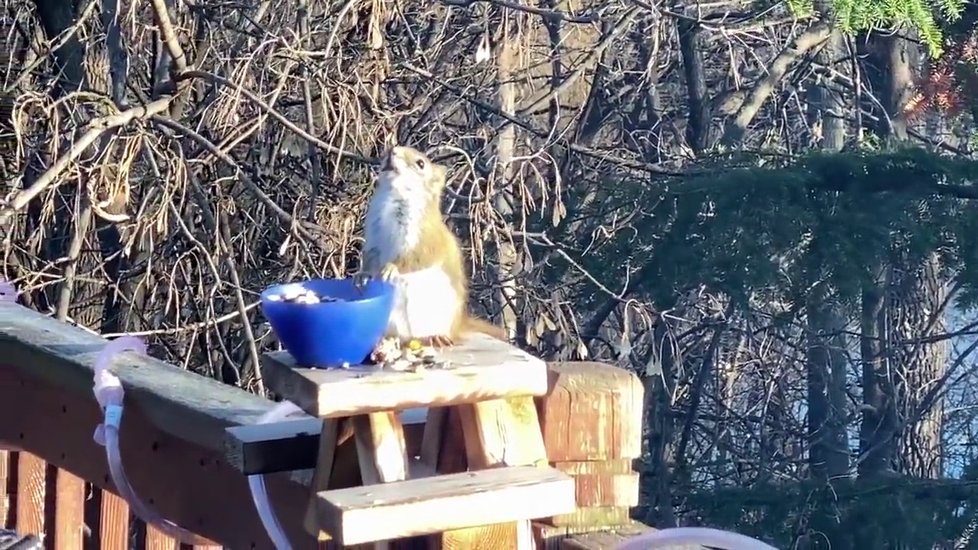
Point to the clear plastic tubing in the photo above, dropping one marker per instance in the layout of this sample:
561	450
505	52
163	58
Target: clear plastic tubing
702	536
256	482
110	395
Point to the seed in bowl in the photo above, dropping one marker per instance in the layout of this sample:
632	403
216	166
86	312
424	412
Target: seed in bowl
300	295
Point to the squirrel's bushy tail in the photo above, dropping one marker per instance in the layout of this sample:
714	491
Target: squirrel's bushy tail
475	324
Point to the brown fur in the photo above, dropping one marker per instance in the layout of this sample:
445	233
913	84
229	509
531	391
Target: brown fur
438	244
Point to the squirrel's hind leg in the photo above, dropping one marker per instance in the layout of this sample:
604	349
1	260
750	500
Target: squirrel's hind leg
439	341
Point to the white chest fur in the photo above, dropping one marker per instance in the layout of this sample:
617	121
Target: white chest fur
426	303
393	221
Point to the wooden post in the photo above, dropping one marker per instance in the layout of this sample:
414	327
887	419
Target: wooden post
592	428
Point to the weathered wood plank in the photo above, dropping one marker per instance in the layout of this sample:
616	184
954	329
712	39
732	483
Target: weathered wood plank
292	444
483	368
69	511
189	406
549	537
603	482
329	443
596	467
455	501
593	411
275	447
113	519
31	482
381	449
5	457
593	517
502	432
186	483
607	489
604	540
483	537
157	540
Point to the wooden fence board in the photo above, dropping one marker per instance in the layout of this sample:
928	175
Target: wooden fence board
31	477
113	522
157	540
69	511
5	457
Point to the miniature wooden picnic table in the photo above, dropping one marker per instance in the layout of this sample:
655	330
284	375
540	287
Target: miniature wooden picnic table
486	387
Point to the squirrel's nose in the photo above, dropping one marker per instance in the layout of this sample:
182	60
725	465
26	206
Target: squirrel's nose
387	161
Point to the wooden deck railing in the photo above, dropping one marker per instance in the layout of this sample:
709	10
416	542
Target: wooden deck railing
54	478
37	498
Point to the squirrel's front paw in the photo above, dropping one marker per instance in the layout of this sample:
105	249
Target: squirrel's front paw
389	272
361	278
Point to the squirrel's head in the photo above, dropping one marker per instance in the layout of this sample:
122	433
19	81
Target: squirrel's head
411	172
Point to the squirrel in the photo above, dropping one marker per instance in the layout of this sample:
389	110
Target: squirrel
408	243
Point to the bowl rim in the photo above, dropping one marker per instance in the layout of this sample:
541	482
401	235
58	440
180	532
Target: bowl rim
264	296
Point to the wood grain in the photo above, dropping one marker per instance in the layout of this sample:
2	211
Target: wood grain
113	520
381	451
603	482
189	485
502	432
31	481
69	511
416	507
194	408
328	444
157	540
593	411
482	368
294	444
594	517
549	537
5	458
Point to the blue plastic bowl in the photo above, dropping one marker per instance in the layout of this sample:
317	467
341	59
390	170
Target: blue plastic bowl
329	334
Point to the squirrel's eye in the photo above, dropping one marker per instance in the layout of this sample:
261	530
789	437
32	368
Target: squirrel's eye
420	164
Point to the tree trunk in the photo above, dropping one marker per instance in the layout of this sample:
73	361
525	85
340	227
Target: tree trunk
71	224
876	435
917	310
828	456
826	363
902	418
659	380
506	253
691	53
